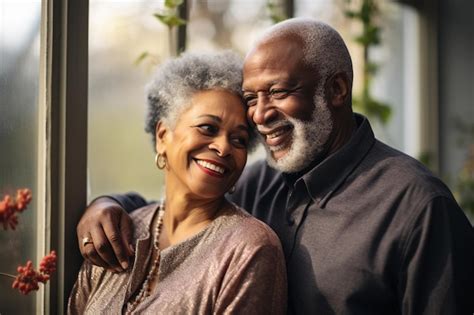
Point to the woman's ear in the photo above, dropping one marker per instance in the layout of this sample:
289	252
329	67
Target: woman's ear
160	135
339	89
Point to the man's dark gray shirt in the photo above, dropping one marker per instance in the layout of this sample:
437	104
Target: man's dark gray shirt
368	230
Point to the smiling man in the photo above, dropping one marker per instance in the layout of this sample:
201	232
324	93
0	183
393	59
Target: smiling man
365	229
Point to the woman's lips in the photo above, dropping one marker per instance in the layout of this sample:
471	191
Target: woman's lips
210	167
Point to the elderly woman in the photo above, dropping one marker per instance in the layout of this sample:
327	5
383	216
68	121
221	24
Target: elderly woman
196	253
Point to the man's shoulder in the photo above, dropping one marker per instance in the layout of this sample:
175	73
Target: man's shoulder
399	171
256	181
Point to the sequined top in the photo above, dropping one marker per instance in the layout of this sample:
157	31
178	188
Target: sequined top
234	266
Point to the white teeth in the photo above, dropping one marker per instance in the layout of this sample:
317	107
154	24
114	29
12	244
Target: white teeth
275	134
210	166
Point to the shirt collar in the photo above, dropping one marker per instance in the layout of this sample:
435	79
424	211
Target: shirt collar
326	177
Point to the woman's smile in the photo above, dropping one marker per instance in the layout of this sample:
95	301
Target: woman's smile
211	167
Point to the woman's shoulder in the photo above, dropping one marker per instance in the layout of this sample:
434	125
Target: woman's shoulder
142	219
251	230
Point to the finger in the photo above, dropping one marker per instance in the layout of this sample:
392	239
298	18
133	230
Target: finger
126	229
89	253
104	249
119	245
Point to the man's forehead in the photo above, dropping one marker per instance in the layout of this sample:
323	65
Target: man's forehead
274	50
265	71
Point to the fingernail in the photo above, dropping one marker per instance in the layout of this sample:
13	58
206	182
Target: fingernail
124	265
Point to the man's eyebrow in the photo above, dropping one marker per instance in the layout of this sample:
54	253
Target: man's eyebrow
288	81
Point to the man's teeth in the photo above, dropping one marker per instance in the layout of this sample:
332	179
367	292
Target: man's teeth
210	166
275	134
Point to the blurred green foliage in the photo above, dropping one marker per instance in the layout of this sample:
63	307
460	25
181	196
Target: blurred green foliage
365	12
276	11
169	17
464	183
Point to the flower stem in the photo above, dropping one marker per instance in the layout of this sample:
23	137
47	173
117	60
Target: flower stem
7	275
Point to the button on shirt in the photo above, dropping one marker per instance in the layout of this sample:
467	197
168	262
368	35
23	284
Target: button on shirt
369	230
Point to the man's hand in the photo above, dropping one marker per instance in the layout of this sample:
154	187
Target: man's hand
109	230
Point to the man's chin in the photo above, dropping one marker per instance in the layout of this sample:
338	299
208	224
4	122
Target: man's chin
279	154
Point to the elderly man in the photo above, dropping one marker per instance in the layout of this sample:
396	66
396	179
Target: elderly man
365	228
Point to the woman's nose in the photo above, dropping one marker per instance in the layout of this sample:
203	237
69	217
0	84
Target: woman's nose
221	146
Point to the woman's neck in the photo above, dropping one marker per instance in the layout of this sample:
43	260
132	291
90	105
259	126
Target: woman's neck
184	216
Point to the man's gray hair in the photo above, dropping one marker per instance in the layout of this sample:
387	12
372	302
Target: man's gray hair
177	80
323	47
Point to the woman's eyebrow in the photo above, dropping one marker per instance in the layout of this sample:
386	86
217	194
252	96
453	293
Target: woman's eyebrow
213	117
244	128
219	120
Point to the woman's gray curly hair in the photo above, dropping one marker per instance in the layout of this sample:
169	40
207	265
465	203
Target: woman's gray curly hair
177	80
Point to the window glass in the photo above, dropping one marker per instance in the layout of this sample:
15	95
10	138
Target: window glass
226	24
121	157
396	81
19	68
120	153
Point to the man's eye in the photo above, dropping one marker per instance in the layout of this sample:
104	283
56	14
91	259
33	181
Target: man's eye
208	129
279	93
250	100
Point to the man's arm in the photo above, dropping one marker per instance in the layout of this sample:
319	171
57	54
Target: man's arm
437	274
107	223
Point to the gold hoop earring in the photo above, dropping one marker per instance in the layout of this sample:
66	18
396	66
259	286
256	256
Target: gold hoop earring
160	161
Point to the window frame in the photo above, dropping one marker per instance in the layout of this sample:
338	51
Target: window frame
62	146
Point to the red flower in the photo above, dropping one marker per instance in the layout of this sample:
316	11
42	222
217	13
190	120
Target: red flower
9	209
7	213
27	279
23	198
48	263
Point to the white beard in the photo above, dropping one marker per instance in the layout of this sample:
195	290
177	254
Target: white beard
308	139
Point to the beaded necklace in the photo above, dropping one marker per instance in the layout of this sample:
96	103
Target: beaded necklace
145	290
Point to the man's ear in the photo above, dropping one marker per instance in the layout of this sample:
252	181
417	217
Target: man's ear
160	135
338	89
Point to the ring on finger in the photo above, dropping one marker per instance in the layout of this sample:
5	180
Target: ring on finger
86	240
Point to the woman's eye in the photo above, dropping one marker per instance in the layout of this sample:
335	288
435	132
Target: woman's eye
208	129
240	142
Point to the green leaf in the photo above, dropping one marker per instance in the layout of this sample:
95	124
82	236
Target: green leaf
372	68
379	110
140	58
170	20
171	4
351	14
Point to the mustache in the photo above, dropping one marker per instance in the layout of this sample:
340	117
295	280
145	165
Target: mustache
274	125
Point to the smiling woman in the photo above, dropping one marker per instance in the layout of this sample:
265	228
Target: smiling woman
207	149
197	253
